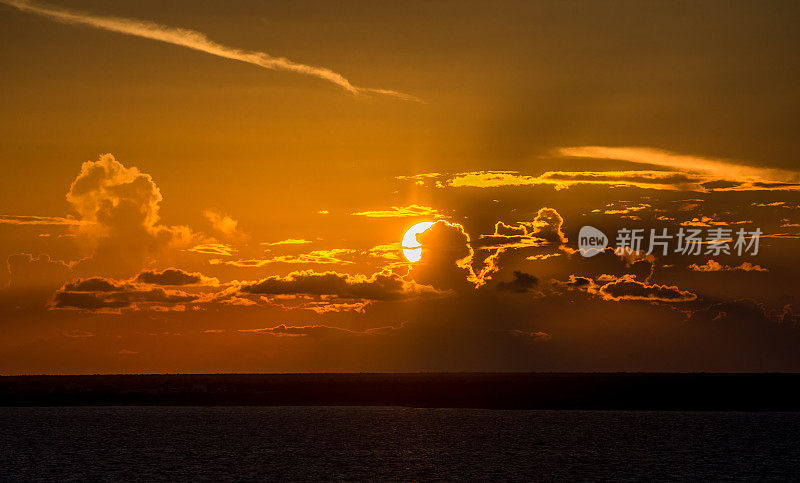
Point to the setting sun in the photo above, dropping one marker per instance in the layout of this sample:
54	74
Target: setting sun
412	248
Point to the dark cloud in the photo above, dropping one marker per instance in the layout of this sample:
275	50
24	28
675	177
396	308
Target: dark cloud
174	276
743	313
380	286
97	293
578	281
574	282
447	258
549	224
521	283
639	263
94	284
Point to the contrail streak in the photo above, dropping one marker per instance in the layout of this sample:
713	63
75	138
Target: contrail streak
194	40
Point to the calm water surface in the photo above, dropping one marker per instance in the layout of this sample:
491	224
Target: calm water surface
355	443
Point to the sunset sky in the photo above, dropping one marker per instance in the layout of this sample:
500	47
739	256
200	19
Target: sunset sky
200	186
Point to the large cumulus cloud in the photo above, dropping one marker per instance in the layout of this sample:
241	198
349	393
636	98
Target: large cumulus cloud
119	212
447	258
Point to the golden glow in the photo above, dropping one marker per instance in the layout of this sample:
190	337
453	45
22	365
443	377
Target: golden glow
412	248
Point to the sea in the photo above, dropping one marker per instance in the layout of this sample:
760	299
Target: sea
150	443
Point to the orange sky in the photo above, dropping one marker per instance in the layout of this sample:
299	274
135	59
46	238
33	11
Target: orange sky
232	197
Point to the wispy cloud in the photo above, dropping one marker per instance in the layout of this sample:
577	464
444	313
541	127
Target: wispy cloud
721	168
284	330
221	222
679	172
323	257
288	241
37	220
195	40
214	249
400	212
644	179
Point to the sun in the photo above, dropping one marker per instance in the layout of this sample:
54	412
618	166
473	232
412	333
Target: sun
412	248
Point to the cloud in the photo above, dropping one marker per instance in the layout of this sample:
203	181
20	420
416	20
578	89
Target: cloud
42	271
324	292
401	212
628	288
174	276
509	236
566	179
38	220
222	249
284	330
750	316
639	261
105	188
196	41
623	209
449	261
489	179
705	221
774	204
324	306
389	251
78	334
447	257
576	283
543	233
723	169
120	210
222	223
318	257
714	266
288	241
535	335
332	256
109	295
380	286
521	283
419	177
544	256
659	180
548	224
643	179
